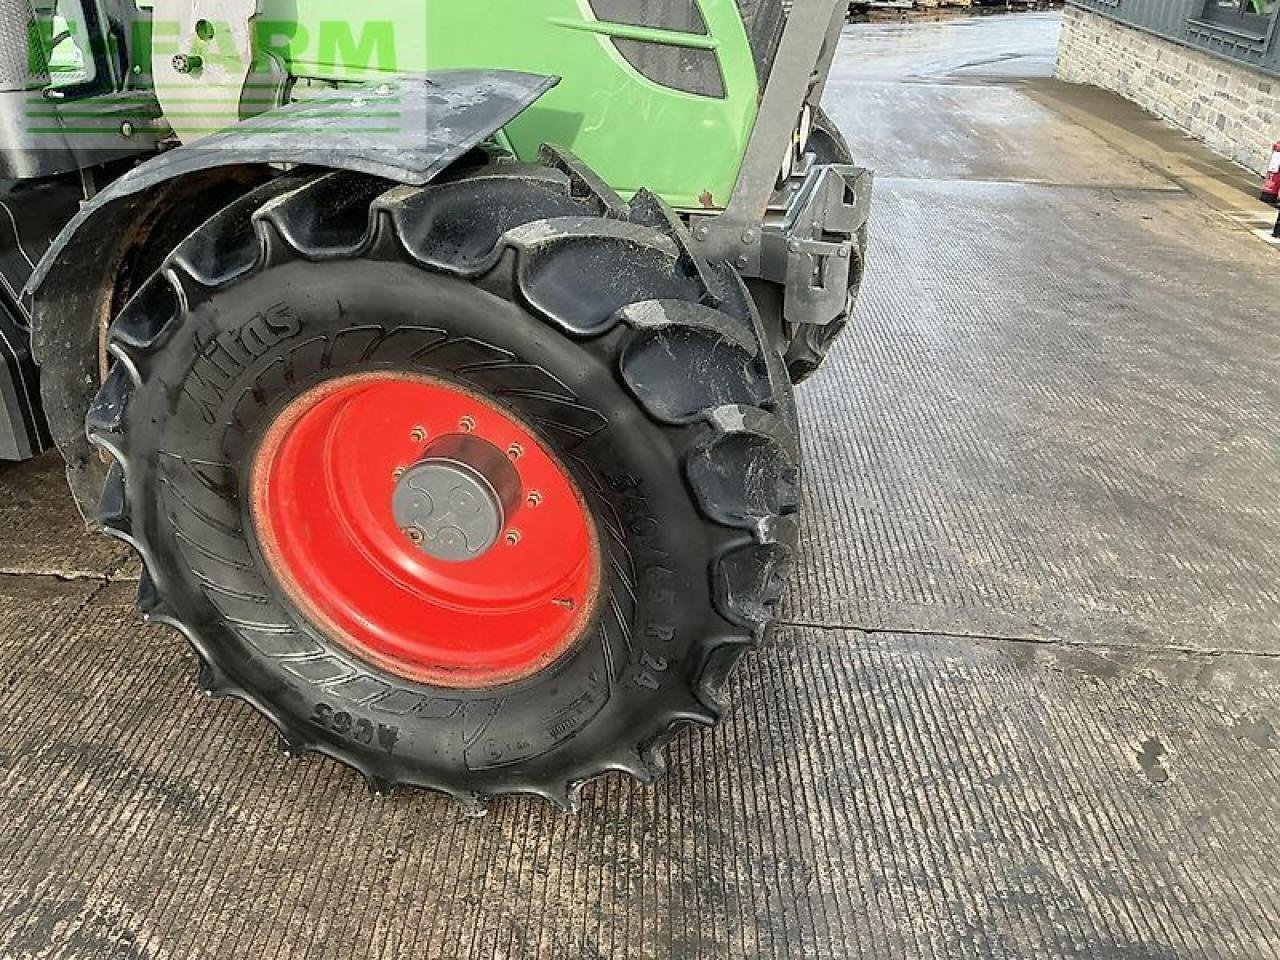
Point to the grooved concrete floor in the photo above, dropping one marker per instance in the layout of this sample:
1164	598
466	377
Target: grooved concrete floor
1024	706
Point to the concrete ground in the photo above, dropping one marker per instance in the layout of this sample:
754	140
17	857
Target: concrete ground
1025	700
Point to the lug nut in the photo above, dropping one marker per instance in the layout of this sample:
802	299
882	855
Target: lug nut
418	434
513	537
534	498
414	534
397	473
515	451
467	424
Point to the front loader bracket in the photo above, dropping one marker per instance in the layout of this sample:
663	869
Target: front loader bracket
811	251
806	247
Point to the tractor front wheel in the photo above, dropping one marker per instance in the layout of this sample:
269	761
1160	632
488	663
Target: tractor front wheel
482	486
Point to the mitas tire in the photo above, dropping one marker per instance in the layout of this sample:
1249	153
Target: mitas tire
640	368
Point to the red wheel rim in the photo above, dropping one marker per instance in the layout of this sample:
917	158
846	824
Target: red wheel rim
329	506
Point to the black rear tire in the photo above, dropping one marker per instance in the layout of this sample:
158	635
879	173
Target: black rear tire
641	366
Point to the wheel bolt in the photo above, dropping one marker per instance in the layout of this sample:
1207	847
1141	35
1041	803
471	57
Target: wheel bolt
515	451
414	534
186	63
397	473
418	434
467	424
534	498
513	537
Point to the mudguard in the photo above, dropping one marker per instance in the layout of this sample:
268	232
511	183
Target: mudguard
407	129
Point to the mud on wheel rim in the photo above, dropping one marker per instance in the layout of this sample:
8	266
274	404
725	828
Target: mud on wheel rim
425	529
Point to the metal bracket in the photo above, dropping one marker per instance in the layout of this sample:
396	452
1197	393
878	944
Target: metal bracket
801	236
839	17
201	79
733	234
808	248
810	252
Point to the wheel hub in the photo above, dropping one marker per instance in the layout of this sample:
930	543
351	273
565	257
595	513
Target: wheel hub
454	502
425	528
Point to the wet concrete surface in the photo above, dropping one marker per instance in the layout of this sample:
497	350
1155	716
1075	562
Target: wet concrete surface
1024	703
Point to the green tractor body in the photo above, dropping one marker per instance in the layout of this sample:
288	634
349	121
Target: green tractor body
436	358
687	77
688	90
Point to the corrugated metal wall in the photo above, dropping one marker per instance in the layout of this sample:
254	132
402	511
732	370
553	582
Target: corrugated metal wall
1181	21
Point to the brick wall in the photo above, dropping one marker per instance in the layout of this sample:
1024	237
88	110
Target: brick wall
1231	107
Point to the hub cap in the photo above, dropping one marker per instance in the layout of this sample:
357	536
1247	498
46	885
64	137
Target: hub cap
453	503
425	529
